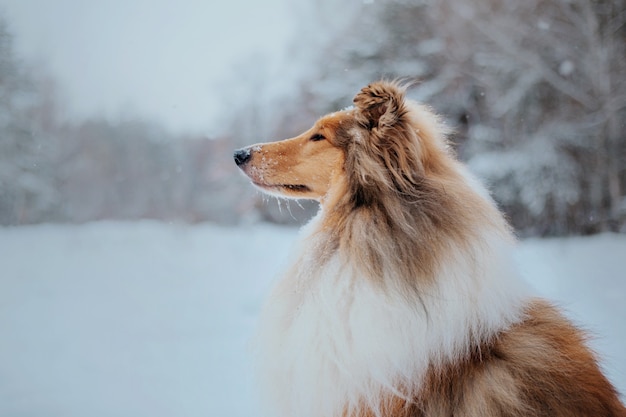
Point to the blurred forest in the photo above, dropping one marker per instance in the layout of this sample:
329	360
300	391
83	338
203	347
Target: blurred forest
536	91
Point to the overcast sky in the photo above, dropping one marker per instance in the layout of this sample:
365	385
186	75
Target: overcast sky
152	58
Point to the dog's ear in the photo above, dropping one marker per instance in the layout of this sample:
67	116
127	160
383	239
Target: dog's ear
389	154
381	104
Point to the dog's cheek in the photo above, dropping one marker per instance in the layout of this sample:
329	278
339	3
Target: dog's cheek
334	170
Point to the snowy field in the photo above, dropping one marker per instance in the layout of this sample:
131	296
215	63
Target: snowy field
149	319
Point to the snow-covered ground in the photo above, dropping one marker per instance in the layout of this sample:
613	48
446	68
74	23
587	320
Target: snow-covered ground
149	319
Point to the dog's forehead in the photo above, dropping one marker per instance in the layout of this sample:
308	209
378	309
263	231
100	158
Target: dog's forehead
335	120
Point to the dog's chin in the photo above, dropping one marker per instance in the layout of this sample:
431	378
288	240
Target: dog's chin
285	190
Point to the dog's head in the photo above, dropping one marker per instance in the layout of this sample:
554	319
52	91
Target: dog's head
382	143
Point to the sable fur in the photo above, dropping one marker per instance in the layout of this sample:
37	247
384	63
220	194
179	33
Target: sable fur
539	367
402	299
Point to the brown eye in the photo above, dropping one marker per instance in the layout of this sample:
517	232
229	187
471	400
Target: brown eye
317	137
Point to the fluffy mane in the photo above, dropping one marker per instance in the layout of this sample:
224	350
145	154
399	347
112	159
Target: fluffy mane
403	193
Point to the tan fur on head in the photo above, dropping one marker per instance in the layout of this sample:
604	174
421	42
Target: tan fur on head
300	167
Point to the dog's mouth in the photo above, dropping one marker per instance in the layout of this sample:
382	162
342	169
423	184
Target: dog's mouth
299	188
296	187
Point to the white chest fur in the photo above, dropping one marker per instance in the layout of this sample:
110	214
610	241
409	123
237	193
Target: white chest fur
330	339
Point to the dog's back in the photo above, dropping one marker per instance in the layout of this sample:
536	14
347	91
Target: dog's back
539	367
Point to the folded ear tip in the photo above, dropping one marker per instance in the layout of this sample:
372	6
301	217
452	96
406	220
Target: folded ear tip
379	98
380	92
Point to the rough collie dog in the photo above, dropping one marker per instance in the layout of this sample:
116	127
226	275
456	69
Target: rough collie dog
402	299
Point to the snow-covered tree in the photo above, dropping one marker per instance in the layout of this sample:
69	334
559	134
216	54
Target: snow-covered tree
27	191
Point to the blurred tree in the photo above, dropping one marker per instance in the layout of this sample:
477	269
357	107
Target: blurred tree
96	169
548	73
535	89
26	184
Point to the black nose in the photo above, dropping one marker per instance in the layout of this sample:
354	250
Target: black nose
242	156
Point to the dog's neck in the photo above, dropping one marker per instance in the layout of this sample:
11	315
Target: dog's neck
410	232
